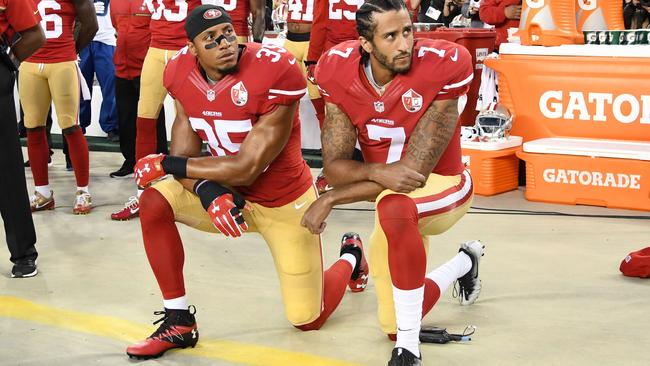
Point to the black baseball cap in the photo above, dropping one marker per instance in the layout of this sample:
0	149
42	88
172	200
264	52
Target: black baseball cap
204	17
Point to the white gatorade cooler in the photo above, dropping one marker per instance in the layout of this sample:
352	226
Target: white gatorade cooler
548	23
599	15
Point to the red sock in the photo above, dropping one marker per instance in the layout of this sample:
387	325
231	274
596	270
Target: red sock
145	137
78	148
319	106
38	152
398	217
336	280
162	242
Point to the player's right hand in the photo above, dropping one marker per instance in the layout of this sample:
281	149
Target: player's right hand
226	215
148	169
398	177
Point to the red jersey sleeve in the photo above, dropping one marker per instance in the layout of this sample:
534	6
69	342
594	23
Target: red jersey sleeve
288	84
328	75
318	30
461	72
22	14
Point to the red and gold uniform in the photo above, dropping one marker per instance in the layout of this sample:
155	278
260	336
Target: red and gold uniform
384	123
50	74
222	115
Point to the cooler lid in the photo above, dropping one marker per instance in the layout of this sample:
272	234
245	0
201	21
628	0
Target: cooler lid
511	141
636	150
593	50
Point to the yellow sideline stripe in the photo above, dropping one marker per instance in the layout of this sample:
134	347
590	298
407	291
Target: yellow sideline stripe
128	332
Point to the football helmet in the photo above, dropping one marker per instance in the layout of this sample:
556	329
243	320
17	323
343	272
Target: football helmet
493	123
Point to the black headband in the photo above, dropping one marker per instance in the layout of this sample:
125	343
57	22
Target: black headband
204	17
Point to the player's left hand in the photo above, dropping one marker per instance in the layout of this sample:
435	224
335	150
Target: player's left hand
148	169
314	217
225	213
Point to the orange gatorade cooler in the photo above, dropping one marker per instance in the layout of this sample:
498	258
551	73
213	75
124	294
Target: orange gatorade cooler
599	15
590	91
479	43
593	172
494	166
549	23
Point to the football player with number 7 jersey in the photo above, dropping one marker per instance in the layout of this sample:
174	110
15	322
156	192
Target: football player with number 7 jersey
52	75
241	100
399	97
167	37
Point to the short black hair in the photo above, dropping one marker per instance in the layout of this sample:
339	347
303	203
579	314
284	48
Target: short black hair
365	24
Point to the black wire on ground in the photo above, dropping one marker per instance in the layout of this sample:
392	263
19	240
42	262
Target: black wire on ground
513	212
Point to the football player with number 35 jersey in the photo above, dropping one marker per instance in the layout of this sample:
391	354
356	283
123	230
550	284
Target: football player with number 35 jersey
51	75
399	97
167	37
241	100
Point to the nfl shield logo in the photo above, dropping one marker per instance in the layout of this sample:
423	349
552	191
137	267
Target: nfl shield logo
211	95
239	94
379	106
412	101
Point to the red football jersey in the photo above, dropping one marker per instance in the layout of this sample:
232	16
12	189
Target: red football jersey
239	10
168	21
57	21
300	11
334	22
224	113
439	70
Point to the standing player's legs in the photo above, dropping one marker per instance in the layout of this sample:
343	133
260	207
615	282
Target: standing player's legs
162	205
310	295
87	66
35	99
105	70
152	96
64	86
398	258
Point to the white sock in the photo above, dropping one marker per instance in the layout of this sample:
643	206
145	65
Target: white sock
179	303
408	312
44	190
449	272
139	193
350	258
84	189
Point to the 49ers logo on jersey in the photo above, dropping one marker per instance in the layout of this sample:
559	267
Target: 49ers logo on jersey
412	101
239	94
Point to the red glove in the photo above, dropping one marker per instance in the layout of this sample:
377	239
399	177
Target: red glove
226	217
311	71
148	169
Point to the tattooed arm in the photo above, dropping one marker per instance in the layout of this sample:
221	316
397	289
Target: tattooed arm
431	136
426	145
338	139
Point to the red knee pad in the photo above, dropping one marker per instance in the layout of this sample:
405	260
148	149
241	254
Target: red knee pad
397	206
